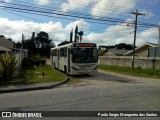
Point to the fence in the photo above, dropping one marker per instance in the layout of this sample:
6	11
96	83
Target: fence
126	61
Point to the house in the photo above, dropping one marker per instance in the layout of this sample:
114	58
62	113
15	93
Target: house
101	52
6	43
4	49
115	52
142	51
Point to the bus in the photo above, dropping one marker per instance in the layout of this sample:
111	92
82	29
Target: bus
75	58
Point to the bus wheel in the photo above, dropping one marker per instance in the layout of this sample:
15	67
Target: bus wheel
55	66
65	70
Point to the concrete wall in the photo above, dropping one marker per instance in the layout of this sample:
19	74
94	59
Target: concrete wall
126	61
19	55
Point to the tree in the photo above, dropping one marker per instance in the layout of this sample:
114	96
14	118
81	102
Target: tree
124	46
76	32
17	45
42	39
40	44
63	43
43	43
80	35
31	46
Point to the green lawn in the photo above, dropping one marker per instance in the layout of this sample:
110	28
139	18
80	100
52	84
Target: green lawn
136	72
34	75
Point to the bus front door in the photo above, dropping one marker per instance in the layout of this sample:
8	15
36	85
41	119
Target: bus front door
58	59
69	52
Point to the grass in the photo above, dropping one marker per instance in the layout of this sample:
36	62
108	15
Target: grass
129	71
34	75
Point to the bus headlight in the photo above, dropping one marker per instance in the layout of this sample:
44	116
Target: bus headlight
74	68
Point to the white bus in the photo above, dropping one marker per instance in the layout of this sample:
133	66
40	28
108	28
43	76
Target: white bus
75	58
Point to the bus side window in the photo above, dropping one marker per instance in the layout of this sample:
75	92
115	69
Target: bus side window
63	52
54	53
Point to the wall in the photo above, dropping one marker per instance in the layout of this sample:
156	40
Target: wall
126	61
19	55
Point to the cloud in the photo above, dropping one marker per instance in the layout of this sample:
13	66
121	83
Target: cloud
149	35
116	34
101	8
8	1
82	25
56	31
147	13
112	35
42	2
14	29
112	7
4	3
72	5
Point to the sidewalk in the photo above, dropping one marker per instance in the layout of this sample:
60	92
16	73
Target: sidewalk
29	87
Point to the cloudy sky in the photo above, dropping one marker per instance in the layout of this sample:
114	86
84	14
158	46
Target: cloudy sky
105	22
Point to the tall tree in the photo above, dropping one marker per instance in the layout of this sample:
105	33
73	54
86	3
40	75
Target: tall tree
80	35
71	36
43	43
30	45
76	32
42	39
63	43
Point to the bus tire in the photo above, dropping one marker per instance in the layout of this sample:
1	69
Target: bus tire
55	66
65	70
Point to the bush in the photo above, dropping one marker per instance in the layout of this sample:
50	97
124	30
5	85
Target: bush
138	68
36	60
8	65
26	62
43	62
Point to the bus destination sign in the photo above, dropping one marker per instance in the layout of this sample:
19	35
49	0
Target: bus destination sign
85	45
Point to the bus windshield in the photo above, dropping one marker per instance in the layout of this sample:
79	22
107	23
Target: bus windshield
85	55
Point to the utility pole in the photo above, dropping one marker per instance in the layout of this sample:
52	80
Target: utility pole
159	38
22	42
135	32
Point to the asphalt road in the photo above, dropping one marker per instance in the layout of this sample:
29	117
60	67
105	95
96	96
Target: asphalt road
100	92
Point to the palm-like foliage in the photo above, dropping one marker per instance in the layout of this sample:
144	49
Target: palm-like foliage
8	66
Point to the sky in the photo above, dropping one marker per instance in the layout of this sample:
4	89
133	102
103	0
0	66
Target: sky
104	22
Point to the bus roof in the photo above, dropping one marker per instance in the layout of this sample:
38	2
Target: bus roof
66	45
69	44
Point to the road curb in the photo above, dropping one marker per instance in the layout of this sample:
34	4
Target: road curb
131	77
36	88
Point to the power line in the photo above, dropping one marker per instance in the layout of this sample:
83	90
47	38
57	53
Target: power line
62	13
118	7
68	15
